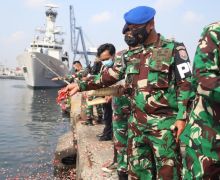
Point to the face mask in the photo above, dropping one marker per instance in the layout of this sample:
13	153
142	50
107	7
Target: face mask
131	41
137	37
108	63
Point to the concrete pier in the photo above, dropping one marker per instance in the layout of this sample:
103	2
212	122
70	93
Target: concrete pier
65	154
91	153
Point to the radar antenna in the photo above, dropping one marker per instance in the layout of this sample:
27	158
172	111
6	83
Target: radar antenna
51	6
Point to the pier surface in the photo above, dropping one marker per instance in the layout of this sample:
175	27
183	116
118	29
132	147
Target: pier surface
92	154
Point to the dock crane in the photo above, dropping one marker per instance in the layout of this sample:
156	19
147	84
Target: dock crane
76	34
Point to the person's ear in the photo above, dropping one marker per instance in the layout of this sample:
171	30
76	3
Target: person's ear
151	24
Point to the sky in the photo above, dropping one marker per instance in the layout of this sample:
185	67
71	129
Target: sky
102	21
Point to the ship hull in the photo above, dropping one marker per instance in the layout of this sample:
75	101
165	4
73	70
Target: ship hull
39	69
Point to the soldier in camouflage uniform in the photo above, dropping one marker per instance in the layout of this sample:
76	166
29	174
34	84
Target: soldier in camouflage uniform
95	69
79	74
121	113
158	81
202	133
90	115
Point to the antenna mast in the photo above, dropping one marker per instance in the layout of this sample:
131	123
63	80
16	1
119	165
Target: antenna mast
72	29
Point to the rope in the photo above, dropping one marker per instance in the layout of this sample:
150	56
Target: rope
49	68
87	38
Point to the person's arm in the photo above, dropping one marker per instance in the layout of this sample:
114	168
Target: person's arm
107	77
183	83
82	73
69	78
206	65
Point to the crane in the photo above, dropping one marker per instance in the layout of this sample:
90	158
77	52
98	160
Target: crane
76	34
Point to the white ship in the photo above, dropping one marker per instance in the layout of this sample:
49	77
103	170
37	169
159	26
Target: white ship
45	58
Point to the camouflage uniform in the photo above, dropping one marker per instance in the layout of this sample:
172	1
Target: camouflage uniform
66	103
77	75
202	133
121	113
89	110
158	83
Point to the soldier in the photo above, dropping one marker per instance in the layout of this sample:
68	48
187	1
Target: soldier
202	133
157	77
63	100
82	74
89	108
77	72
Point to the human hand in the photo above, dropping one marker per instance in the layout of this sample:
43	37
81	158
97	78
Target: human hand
74	76
70	87
179	125
84	94
55	79
74	89
85	78
108	98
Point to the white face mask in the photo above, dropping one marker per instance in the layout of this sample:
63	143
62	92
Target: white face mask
108	63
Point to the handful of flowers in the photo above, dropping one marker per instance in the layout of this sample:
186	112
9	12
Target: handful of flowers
64	100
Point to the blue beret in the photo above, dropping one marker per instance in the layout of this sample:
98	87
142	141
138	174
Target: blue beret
139	15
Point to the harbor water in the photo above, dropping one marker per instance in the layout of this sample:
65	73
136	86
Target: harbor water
30	125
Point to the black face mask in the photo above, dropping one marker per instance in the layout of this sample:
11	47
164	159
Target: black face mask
131	41
137	37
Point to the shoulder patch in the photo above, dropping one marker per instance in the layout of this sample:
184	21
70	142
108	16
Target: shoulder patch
182	63
161	55
183	54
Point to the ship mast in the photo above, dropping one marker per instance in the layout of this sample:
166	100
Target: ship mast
51	29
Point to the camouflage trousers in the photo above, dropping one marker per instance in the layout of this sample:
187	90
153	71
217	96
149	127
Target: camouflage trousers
152	152
198	166
89	110
121	113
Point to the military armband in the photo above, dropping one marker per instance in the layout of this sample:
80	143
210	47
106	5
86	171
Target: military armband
182	64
